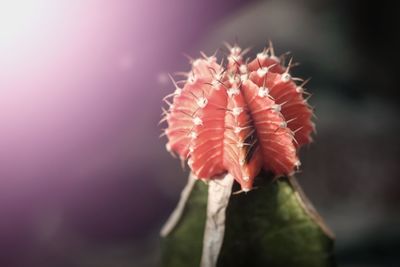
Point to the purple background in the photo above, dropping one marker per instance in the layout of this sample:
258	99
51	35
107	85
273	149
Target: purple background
84	178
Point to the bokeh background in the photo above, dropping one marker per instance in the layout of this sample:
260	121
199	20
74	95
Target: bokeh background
85	179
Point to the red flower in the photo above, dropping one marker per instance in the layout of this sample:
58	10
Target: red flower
239	118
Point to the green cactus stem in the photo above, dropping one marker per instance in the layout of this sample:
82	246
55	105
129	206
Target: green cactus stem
272	225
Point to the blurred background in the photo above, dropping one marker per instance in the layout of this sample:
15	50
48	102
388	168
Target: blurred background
85	179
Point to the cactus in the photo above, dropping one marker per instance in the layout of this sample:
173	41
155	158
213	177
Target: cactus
235	122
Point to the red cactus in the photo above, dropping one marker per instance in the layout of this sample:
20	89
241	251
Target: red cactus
239	118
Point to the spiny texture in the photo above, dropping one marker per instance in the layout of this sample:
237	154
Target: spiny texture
239	117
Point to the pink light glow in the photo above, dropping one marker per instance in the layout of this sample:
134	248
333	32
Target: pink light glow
56	60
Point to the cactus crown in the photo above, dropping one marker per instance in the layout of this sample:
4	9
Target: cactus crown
238	117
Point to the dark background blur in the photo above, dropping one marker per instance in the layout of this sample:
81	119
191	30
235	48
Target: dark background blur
84	178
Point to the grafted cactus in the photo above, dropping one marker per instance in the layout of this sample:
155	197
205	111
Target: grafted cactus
235	122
